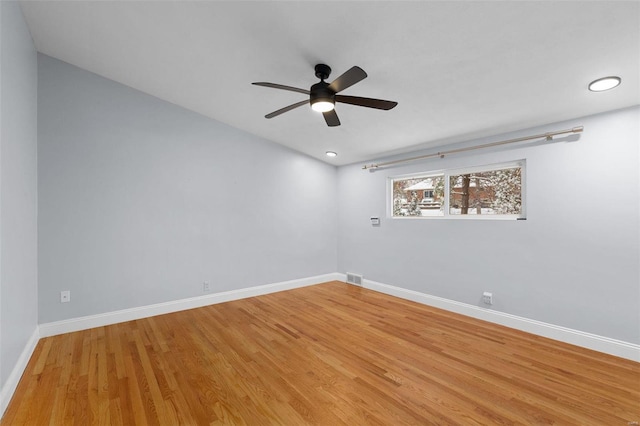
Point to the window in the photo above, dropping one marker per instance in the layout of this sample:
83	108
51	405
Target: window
488	191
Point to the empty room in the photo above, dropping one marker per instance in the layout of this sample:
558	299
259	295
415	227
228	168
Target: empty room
319	213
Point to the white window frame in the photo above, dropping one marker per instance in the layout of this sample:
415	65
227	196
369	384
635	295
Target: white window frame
461	171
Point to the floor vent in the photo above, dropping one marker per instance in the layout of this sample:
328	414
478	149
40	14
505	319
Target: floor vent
354	278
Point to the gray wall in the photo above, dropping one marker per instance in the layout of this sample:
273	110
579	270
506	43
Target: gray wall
18	187
141	201
573	262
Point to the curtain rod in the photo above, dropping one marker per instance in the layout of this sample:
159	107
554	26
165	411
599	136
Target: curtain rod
548	136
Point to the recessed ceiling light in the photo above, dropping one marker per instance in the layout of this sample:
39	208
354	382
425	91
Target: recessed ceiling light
331	154
605	83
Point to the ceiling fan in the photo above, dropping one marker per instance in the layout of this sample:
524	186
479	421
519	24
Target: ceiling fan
323	95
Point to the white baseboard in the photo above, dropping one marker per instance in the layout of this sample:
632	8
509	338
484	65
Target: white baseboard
575	337
6	393
107	318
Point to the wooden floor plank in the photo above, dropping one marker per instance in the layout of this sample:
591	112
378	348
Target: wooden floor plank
330	354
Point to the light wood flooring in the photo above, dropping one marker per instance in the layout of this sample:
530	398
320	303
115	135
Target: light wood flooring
330	354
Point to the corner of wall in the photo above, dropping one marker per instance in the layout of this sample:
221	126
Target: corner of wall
10	385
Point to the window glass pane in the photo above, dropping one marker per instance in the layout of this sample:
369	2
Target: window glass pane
418	196
486	192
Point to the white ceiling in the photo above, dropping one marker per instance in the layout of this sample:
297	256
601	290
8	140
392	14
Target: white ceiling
458	70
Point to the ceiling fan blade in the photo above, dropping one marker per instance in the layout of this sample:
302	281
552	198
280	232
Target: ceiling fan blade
287	108
348	79
331	118
366	102
281	86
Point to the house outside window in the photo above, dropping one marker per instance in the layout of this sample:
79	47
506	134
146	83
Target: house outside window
418	196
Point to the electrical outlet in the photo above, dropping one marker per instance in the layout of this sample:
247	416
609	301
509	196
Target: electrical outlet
487	298
206	287
65	296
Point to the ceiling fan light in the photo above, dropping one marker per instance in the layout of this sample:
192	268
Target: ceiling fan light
605	83
322	105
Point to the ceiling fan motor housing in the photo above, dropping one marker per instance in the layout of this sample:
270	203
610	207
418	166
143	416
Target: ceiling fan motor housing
320	92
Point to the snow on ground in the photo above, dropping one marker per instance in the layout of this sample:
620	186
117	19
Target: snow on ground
472	211
452	211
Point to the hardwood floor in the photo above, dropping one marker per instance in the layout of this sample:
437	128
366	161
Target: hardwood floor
330	354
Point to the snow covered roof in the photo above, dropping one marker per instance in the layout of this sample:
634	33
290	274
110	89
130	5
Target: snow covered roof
429	184
425	184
